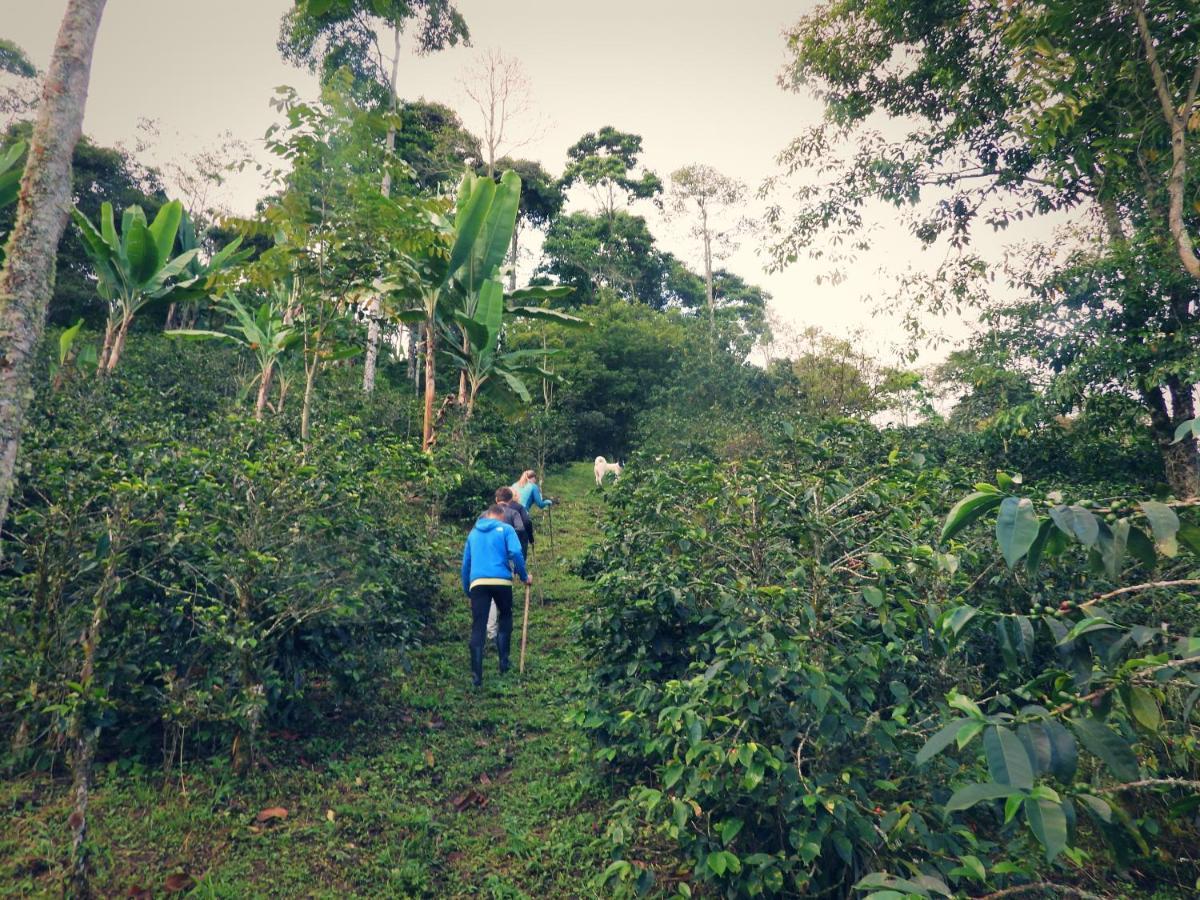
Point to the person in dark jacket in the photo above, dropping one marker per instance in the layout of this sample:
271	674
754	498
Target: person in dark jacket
518	517
491	554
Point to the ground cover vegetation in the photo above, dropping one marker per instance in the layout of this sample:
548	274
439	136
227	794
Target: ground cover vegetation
842	628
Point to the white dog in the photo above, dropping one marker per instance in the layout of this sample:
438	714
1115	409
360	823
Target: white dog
603	467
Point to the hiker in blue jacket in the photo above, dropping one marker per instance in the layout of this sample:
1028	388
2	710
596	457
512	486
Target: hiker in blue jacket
491	555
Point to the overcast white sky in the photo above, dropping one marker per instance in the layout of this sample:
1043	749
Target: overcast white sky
696	78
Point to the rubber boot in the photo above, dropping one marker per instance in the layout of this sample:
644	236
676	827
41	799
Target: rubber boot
503	641
477	666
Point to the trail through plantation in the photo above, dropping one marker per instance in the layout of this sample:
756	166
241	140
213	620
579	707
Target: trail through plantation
436	790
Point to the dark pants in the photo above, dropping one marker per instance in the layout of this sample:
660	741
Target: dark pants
482	597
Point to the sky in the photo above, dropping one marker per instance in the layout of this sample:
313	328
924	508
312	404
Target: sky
696	78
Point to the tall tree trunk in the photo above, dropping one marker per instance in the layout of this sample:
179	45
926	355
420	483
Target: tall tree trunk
310	378
430	386
708	283
42	209
373	306
118	345
414	342
84	734
512	256
1177	117
1180	461
264	387
462	375
110	332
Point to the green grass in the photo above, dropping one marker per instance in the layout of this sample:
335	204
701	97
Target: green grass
435	790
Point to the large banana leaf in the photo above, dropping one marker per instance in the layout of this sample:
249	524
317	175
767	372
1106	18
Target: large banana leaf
164	229
469	222
493	243
141	252
490	310
476	332
10	173
538	292
548	315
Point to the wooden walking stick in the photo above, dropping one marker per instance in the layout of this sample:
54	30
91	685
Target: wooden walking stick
525	628
550	524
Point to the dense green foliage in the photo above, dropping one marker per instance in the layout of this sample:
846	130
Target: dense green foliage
782	629
243	577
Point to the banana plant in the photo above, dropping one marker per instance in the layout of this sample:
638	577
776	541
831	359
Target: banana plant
194	280
261	331
135	268
10	181
481	359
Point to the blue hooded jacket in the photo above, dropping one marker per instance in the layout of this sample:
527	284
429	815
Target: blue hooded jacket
492	550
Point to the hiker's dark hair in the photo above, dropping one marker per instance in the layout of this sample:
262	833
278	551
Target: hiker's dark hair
504	494
496	511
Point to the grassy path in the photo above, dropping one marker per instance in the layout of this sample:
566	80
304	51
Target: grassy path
438	791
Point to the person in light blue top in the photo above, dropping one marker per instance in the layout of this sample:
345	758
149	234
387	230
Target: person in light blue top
526	490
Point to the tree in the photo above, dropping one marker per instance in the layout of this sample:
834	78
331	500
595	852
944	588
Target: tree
18	84
711	195
338	239
262	331
98	174
616	251
337	34
10	179
606	161
138	266
432	140
500	90
42	209
1011	110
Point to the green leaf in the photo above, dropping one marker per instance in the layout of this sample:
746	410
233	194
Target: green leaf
1077	522
955	619
548	315
1144	708
1189	427
515	384
967	510
730	829
1064	754
1097	807
1016	528
1008	762
966	797
65	340
939	742
1086	626
1101	741
1189	536
469	222
538	292
1142	548
498	229
477	332
163	231
140	251
1034	559
199	334
1048	822
1164	524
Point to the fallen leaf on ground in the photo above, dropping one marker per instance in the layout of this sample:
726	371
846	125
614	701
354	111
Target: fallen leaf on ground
484	778
330	815
177	882
468	799
429	757
270	813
